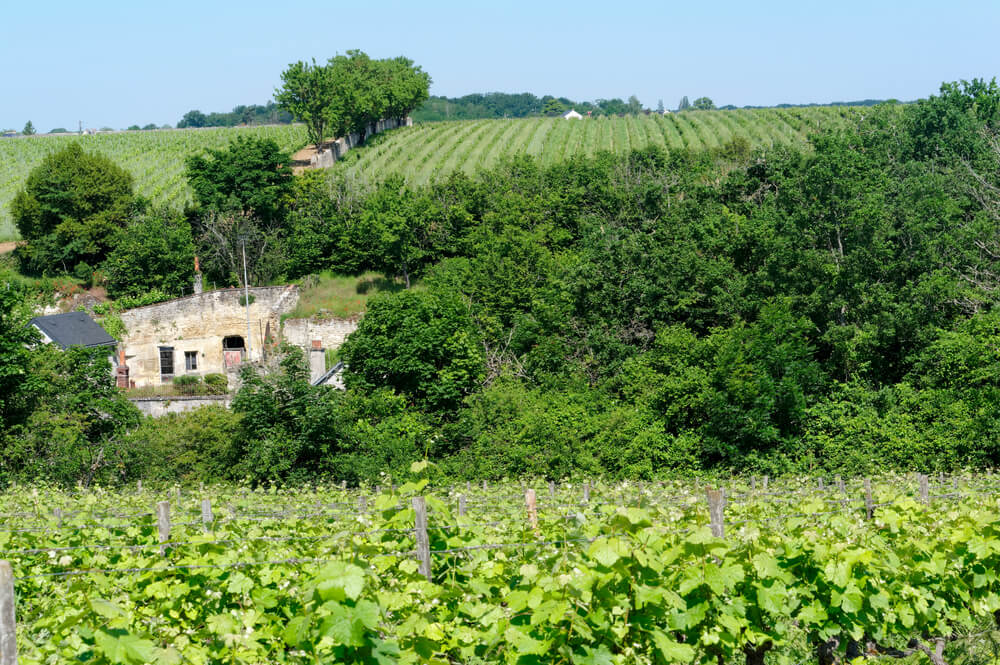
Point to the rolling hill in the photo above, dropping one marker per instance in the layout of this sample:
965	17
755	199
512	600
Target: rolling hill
425	151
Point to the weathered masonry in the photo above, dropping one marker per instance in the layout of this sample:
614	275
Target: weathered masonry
203	333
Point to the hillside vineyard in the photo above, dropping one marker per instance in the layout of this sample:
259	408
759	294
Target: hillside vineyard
425	152
154	158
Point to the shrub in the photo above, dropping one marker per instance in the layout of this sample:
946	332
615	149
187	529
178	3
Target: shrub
216	384
197	445
187	384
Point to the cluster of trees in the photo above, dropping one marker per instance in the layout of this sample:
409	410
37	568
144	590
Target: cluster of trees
700	104
783	310
78	214
779	311
350	93
254	114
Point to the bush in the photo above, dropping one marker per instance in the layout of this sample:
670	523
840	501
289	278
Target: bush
216	384
188	384
195	445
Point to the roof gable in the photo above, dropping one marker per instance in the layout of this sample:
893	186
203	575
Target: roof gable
73	329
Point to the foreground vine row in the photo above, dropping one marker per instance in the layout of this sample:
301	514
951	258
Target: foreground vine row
609	574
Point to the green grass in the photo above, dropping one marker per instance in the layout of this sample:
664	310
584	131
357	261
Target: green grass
155	159
340	296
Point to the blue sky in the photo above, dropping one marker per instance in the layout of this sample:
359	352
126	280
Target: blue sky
121	63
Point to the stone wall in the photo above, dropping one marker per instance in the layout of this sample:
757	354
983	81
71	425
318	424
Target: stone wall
161	406
330	332
337	150
197	325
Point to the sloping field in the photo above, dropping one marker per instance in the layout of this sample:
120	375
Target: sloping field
427	151
154	158
423	152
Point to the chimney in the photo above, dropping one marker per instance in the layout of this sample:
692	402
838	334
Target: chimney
121	372
317	360
197	277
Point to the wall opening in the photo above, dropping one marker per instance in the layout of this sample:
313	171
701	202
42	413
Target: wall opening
233	350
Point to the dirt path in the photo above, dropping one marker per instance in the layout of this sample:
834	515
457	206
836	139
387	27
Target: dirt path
300	160
6	247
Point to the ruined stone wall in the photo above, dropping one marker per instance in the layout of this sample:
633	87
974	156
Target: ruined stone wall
331	332
339	148
198	324
161	406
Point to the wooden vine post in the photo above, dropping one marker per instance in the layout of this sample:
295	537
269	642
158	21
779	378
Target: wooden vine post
461	505
924	489
58	513
716	508
532	506
8	627
163	524
362	504
869	502
423	541
586	491
206	514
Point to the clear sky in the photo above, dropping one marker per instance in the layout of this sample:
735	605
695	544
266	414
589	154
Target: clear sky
121	63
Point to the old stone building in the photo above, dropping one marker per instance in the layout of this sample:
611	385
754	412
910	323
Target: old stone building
203	333
207	333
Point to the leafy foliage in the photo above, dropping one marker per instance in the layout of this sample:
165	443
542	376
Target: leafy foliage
154	252
69	210
612	584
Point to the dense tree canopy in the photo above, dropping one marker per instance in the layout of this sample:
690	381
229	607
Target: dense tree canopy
154	252
71	206
778	310
350	93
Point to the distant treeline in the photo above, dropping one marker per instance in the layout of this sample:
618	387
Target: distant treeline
507	105
267	114
862	102
470	107
525	104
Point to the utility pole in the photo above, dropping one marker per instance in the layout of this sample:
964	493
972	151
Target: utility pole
246	297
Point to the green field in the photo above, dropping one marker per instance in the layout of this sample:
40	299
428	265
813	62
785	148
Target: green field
154	158
427	151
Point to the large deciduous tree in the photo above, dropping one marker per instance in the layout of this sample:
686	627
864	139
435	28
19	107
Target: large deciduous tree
241	193
350	93
307	92
424	345
70	208
155	251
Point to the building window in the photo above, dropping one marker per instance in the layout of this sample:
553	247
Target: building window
190	360
166	363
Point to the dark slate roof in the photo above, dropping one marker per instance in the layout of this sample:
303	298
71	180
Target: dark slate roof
73	329
329	375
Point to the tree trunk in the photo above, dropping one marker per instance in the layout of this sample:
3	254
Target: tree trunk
755	654
406	274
